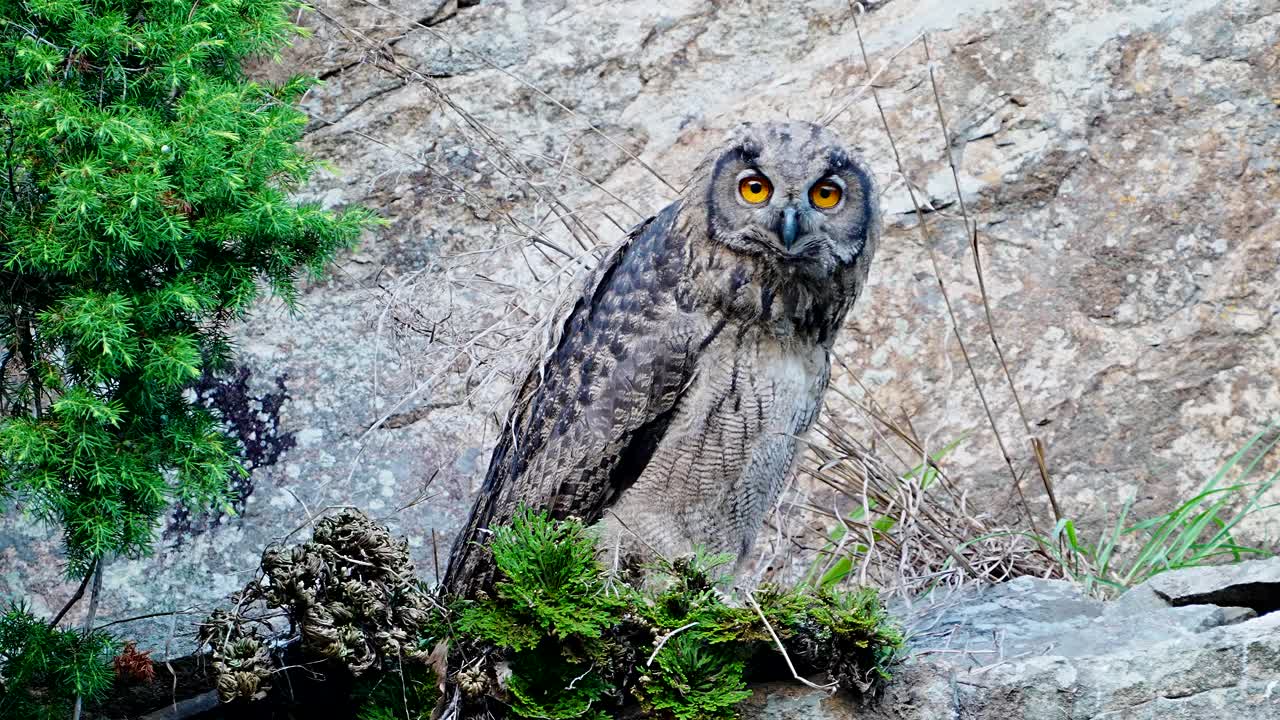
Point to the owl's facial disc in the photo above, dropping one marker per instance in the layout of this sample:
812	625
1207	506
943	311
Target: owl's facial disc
792	194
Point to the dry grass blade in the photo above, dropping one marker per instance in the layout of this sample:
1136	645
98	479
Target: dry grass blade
494	66
830	117
84	583
927	239
910	539
971	230
509	166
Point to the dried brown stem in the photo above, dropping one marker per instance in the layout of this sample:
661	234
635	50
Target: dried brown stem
927	239
84	583
971	229
663	640
88	623
135	618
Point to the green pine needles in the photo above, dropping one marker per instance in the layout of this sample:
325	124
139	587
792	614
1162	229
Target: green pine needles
143	204
43	669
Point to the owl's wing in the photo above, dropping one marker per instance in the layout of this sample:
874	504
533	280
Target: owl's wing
587	420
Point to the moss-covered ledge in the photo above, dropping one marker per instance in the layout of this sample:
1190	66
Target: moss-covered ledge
560	637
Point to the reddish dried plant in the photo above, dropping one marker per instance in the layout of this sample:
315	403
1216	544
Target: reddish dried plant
133	666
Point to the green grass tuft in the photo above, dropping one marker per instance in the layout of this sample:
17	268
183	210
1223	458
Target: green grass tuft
1200	530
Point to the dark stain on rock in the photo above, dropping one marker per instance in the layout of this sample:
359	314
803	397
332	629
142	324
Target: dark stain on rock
254	422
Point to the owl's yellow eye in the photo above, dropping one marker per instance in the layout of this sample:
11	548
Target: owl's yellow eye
825	195
755	189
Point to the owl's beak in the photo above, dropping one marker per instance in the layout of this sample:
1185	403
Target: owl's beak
788	226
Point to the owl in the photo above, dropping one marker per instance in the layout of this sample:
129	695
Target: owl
667	407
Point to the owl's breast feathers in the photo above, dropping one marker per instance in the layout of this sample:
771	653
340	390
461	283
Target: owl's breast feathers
589	419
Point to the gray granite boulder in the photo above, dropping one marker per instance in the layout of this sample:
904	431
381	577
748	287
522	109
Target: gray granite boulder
1254	585
1038	650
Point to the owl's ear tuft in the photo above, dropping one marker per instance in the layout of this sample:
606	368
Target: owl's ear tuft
749	151
838	161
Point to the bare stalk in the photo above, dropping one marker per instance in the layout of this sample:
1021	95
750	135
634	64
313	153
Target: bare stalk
829	687
88	623
663	641
84	583
971	229
927	239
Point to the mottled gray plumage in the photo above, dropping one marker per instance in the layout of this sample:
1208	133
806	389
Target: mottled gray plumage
671	395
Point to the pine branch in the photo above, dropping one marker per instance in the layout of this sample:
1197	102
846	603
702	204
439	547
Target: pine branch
93	566
88	625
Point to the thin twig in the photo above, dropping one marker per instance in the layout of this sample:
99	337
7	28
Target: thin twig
971	229
495	66
404	693
871	78
927	239
435	555
829	687
88	624
312	518
663	640
924	527
383	61
584	674
135	618
75	598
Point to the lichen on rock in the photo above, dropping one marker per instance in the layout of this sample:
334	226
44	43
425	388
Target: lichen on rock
351	598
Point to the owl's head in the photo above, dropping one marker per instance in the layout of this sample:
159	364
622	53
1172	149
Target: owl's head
793	194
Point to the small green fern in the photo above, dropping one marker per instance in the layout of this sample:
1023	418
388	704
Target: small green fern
553	587
696	680
409	694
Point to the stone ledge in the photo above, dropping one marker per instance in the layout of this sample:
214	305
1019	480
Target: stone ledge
1038	649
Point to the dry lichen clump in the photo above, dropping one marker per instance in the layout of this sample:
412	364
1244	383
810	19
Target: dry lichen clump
351	590
349	593
241	666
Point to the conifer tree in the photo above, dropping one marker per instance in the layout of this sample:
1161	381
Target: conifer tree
144	204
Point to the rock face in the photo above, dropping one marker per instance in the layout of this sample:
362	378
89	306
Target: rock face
1037	649
1121	161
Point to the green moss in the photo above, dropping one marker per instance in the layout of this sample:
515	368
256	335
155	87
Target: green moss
548	682
579	643
408	694
695	680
